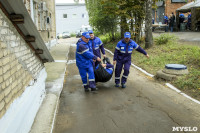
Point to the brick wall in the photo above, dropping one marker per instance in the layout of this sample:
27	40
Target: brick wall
18	64
171	7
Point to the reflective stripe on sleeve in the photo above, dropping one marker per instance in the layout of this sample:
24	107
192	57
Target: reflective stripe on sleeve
117	77
83	51
137	47
117	48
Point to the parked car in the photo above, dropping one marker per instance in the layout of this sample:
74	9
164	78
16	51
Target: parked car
78	34
59	35
66	35
84	28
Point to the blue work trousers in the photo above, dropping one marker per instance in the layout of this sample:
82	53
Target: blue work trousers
90	71
118	70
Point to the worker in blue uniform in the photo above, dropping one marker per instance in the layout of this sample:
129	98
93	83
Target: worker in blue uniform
166	21
84	61
189	20
97	46
122	58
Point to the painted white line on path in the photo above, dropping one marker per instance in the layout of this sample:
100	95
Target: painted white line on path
167	84
194	100
172	87
142	70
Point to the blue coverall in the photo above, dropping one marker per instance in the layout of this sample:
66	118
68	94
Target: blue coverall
84	62
189	21
97	45
166	21
122	55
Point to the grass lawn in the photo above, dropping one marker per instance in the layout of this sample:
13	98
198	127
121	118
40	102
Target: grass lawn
167	50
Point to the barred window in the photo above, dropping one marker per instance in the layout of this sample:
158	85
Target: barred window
64	15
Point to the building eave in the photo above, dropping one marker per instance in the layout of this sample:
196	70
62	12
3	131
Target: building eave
189	6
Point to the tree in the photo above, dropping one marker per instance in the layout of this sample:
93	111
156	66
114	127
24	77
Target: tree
100	19
148	25
106	15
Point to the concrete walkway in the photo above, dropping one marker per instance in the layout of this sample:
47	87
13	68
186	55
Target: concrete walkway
145	106
54	83
142	106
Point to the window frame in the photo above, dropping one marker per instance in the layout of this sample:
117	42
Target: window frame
65	17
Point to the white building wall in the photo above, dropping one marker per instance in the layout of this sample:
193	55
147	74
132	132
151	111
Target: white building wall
73	22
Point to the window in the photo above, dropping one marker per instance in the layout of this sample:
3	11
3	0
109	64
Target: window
83	15
179	1
64	15
73	15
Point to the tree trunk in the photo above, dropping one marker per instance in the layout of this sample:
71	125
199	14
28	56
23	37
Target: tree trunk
148	25
124	26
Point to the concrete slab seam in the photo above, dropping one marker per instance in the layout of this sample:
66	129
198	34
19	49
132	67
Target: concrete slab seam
167	84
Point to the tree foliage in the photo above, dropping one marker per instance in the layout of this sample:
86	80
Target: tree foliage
110	16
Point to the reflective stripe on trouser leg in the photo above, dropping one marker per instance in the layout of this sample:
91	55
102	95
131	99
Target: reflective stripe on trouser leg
83	73
92	83
126	71
118	71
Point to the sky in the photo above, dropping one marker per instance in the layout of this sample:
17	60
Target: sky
69	1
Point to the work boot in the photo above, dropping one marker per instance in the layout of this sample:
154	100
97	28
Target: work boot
86	88
116	85
123	86
94	90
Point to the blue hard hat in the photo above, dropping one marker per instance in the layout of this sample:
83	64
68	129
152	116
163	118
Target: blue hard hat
86	34
90	31
127	35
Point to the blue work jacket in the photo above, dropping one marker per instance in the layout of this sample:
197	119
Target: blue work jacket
124	50
97	45
84	54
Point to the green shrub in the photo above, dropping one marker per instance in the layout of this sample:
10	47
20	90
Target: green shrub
72	34
165	39
105	38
